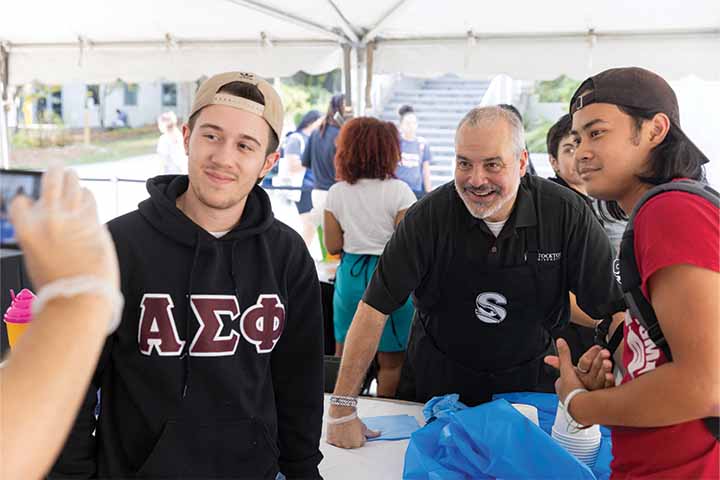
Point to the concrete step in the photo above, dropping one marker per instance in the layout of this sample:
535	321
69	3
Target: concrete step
446	170
439	104
467	91
458	80
430	101
434	85
476	93
435	140
442	150
446	116
392	108
440	123
438	108
438	181
426	131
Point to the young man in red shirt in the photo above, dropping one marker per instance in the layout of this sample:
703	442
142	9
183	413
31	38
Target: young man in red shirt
628	137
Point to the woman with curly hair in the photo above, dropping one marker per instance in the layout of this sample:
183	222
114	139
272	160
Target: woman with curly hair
361	213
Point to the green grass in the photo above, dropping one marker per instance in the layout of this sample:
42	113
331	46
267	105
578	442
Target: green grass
105	148
108	152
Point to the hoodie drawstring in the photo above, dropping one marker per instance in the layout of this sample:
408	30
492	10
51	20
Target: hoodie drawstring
188	313
232	270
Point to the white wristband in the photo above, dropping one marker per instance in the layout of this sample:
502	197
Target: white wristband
72	286
570	420
334	421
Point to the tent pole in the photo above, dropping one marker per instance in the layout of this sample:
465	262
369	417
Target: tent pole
370	36
347	73
348	28
288	17
4	135
369	65
360	79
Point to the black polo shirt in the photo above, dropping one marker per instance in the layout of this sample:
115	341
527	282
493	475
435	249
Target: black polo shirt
417	257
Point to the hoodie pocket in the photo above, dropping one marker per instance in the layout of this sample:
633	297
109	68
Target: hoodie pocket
232	448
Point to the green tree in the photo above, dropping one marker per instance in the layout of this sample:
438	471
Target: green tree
535	137
298	99
559	90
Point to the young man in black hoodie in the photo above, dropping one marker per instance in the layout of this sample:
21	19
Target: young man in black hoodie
216	368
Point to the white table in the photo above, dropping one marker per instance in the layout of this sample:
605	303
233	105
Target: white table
379	460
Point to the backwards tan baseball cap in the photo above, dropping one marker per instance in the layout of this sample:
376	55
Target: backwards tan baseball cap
272	111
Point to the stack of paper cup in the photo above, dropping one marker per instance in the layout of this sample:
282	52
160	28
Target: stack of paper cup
529	411
18	315
582	444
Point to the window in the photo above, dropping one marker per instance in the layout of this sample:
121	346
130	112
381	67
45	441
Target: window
131	94
169	94
92	93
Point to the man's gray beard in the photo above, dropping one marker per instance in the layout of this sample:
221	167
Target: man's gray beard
487	213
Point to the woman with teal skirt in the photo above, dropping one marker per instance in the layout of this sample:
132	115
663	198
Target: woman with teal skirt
360	216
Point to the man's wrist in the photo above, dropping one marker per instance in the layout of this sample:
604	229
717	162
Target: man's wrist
336	411
571	407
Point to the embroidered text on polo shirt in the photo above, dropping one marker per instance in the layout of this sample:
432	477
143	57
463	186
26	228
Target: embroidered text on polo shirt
549	257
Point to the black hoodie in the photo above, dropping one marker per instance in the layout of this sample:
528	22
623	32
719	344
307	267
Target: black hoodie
216	368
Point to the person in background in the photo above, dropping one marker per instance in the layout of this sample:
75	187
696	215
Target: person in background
291	160
72	264
319	156
414	166
121	119
170	147
361	213
561	154
663	414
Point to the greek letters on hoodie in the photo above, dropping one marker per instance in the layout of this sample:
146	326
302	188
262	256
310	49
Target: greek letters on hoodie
216	369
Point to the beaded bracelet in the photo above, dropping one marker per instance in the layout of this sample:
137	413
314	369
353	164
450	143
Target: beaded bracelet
343	401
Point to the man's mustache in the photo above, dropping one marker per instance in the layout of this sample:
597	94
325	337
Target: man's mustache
483	190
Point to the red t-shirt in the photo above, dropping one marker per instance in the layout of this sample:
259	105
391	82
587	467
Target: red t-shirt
670	229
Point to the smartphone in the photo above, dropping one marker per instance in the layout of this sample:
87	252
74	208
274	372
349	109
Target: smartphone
339	119
13	183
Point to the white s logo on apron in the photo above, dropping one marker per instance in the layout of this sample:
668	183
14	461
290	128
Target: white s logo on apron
488	307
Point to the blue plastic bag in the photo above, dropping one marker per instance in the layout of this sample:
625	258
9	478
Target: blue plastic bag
546	403
492	440
392	427
442	406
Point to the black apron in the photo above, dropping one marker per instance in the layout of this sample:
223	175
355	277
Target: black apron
489	331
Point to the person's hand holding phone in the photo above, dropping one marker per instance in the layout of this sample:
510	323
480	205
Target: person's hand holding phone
60	233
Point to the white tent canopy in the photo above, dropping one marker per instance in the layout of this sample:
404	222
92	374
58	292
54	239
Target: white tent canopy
139	40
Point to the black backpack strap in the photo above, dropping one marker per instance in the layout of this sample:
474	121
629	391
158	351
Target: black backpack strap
602	329
636	301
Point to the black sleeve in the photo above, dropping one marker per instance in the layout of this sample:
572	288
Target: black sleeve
590	266
297	371
78	457
306	161
405	261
